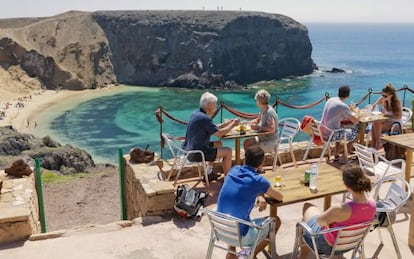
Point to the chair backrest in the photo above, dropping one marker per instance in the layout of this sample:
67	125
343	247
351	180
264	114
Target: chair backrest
316	134
289	128
366	157
396	196
226	228
174	145
406	115
350	237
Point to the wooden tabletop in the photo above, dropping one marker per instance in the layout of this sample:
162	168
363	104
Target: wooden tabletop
403	140
233	134
329	183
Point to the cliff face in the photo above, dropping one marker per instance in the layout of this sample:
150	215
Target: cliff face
173	48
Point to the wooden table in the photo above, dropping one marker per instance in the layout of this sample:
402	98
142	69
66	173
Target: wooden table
406	141
237	136
329	183
364	120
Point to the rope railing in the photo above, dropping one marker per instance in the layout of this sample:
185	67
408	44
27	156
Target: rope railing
160	110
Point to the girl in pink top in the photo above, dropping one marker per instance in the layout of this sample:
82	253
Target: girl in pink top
359	210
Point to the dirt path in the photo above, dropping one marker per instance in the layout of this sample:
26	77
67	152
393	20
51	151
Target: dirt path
93	199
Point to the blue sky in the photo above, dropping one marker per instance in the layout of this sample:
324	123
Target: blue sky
300	10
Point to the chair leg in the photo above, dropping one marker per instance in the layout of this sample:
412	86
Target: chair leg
178	175
394	240
210	248
297	243
326	146
307	150
205	175
292	155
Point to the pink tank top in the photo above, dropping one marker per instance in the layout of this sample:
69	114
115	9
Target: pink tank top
360	212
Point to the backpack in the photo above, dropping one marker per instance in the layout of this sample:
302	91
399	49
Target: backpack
188	201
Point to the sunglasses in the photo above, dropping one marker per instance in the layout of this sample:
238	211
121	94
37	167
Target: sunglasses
385	96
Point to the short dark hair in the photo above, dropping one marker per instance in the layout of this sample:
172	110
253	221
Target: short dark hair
344	91
355	179
254	156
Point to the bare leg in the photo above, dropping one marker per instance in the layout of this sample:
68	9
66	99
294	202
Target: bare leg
248	143
230	255
309	210
262	245
225	153
376	133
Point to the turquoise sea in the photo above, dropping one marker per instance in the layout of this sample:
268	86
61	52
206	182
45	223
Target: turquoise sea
372	55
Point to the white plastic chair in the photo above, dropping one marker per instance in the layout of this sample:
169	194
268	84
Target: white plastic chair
405	118
288	128
318	139
226	229
395	193
371	161
180	158
348	238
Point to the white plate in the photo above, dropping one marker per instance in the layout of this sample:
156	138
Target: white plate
376	113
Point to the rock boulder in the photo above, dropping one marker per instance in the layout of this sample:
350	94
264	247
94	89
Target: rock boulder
19	168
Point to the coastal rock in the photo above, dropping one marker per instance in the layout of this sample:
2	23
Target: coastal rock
15	144
19	168
67	158
195	49
336	70
52	155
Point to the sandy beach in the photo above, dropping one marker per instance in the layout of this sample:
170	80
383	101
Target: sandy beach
25	118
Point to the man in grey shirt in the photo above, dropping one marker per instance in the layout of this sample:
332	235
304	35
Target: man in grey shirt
335	111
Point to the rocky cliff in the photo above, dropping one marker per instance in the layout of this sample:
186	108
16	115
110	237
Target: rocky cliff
78	50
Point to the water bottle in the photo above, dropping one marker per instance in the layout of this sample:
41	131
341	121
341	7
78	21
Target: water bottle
313	177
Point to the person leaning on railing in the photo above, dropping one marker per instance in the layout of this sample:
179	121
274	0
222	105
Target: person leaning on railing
391	107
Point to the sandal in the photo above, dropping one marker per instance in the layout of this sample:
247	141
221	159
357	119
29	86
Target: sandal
341	161
336	158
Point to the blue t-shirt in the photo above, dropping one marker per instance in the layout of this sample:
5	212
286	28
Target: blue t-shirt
239	191
199	129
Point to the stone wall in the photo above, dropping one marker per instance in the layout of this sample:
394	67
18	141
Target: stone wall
19	213
145	194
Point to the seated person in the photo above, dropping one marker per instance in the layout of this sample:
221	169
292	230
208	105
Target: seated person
201	127
265	122
335	111
359	210
242	189
391	107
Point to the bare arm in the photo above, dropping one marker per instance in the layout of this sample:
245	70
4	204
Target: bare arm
226	128
271	128
334	214
275	194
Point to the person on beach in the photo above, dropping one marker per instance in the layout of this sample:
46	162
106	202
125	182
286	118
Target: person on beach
201	127
243	189
391	107
265	122
335	112
360	209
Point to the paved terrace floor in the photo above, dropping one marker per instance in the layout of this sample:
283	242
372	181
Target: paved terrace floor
174	237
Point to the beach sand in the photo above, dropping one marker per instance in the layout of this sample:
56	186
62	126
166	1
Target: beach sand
26	119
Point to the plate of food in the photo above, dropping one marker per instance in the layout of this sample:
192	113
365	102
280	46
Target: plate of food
242	128
376	113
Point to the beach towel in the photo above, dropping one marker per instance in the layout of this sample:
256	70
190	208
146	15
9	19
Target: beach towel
306	126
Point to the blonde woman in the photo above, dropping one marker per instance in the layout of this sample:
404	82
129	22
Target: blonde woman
265	122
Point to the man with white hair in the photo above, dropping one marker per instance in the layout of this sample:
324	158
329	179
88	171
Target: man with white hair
199	130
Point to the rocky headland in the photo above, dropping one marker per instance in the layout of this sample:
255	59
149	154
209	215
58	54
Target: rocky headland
79	50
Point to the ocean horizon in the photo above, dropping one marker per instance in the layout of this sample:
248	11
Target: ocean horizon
372	54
